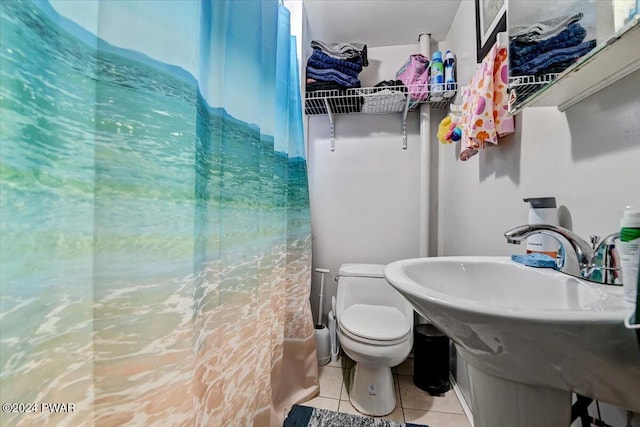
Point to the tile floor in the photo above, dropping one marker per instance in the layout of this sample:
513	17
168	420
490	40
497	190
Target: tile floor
413	404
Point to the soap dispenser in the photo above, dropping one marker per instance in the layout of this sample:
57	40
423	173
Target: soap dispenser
542	210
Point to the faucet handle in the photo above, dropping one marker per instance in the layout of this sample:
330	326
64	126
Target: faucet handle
594	241
605	265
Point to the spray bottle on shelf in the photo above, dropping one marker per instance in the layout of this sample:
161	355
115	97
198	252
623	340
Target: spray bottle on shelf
543	211
437	76
449	74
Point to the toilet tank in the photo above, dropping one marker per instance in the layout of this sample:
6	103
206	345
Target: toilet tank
365	284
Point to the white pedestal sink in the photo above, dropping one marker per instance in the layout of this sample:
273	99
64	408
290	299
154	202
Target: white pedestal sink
531	336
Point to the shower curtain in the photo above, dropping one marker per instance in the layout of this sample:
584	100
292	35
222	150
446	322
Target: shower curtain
155	238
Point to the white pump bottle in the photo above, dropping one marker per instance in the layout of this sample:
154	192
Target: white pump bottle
542	211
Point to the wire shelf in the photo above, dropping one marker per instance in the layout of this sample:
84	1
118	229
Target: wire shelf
377	100
522	88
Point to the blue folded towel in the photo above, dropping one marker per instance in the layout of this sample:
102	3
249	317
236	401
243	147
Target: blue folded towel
553	57
319	65
330	75
328	61
536	260
520	53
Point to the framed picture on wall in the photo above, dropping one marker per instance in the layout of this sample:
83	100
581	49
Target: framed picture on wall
491	18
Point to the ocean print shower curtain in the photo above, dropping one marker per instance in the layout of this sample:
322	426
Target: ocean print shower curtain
155	238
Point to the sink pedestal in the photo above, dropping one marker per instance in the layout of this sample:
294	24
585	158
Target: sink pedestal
497	402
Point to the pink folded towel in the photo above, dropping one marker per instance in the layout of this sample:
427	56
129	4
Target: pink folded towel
485	115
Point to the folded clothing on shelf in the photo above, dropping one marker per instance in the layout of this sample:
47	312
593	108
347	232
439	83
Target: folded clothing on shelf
383	100
332	75
520	52
317	65
549	46
543	30
319	59
314	85
337	62
397	84
348	51
558	59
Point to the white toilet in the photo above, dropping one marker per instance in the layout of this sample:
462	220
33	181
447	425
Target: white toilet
375	329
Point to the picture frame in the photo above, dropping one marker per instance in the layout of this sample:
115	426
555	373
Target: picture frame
491	18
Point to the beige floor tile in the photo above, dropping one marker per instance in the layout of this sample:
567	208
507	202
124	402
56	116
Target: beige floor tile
436	419
347	378
405	368
336	364
344	394
323	403
414	398
330	381
396	385
347	408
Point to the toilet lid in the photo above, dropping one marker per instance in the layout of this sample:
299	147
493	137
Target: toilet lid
375	322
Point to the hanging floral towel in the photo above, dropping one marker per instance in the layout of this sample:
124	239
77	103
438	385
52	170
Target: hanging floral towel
485	114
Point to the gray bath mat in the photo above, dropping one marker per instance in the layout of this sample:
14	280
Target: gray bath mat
305	416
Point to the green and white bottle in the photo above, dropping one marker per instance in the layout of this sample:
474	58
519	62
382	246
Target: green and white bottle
629	251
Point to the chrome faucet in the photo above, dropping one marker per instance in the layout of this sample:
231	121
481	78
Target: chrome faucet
597	263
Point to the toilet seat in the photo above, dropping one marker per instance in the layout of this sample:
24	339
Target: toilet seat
375	324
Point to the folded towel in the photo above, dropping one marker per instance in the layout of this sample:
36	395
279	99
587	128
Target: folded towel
346	51
536	260
321	65
331	75
383	101
386	83
328	61
519	53
314	85
543	30
553	57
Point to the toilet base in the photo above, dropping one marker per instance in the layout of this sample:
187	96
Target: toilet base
372	390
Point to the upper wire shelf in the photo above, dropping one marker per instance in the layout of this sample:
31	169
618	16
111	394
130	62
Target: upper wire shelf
378	100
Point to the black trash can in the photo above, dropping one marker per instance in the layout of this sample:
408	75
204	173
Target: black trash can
431	360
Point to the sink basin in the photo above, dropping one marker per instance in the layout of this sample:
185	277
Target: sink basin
529	326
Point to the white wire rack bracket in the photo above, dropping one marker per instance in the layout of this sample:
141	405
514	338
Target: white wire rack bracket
331	123
521	88
404	122
378	100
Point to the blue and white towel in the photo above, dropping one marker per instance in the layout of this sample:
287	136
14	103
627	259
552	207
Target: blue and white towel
321	61
543	30
331	75
520	52
552	59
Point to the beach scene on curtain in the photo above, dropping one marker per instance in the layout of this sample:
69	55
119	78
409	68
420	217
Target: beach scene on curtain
154	218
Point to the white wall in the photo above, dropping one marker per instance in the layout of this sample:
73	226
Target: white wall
587	157
365	194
